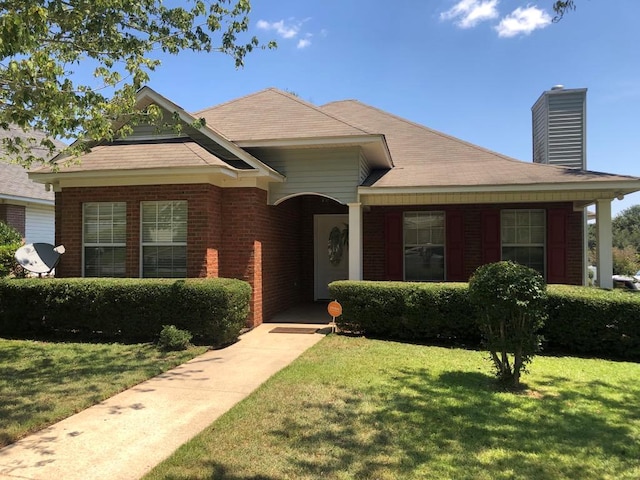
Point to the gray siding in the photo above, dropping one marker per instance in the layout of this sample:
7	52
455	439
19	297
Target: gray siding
151	132
365	170
331	172
559	128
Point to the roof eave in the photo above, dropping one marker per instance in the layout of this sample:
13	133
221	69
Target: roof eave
52	177
624	187
19	199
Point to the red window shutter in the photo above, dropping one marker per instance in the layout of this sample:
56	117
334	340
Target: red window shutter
393	246
455	246
491	246
557	224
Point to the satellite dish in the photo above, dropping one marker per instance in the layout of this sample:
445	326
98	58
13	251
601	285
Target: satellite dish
39	257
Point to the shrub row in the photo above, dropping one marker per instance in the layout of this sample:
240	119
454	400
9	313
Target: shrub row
590	321
582	320
213	310
408	311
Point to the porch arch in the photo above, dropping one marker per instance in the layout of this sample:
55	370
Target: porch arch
302	194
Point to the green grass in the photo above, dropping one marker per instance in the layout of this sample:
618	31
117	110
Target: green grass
357	408
43	382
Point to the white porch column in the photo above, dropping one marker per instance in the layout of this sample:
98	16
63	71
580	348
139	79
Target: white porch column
604	243
355	241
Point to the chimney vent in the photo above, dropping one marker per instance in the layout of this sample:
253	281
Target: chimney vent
559	124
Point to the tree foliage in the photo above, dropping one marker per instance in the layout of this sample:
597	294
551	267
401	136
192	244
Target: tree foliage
10	241
43	43
511	304
625	228
561	7
625	231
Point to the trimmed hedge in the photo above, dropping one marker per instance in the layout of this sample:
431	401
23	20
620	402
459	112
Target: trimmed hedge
404	310
213	310
590	321
581	320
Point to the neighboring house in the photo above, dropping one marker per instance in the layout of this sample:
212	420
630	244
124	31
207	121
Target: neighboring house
24	204
269	190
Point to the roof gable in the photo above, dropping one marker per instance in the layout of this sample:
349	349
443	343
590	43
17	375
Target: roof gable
272	114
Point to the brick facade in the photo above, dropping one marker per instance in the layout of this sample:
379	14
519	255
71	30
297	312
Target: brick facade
374	241
234	233
14	216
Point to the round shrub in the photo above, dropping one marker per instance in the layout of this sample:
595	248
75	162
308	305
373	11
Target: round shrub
172	338
510	300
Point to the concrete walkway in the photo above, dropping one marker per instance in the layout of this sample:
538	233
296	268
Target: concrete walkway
125	436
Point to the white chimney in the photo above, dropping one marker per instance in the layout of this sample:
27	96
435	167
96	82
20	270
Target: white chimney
559	121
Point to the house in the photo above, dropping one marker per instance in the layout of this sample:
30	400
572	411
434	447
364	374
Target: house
24	204
290	196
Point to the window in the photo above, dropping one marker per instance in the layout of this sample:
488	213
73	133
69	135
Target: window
424	246
104	238
164	239
523	237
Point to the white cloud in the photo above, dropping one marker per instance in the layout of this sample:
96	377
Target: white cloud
523	21
468	13
281	28
304	43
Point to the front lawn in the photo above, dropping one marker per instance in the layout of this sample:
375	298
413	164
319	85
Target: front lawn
43	382
360	408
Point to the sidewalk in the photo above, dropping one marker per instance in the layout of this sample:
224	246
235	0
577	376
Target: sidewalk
127	435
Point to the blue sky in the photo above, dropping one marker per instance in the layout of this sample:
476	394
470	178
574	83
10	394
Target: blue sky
470	68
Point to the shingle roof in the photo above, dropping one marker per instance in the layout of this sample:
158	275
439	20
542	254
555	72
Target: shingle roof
181	152
426	157
272	114
14	181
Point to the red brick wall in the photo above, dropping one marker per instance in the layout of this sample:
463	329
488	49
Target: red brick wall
231	233
203	233
14	216
263	248
374	248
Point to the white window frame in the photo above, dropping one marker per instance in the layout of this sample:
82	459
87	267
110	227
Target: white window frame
164	243
98	244
528	244
405	244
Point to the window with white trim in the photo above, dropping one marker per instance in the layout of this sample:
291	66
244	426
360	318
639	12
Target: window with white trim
104	234
523	237
164	239
424	246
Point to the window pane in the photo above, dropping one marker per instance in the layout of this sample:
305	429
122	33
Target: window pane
104	261
164	262
508	235
180	233
424	240
524	242
522	235
104	226
424	263
537	235
91	233
164	224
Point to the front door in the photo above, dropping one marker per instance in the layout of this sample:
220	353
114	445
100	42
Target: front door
331	249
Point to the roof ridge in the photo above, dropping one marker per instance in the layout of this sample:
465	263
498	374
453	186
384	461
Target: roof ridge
249	95
437	132
317	109
290	97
